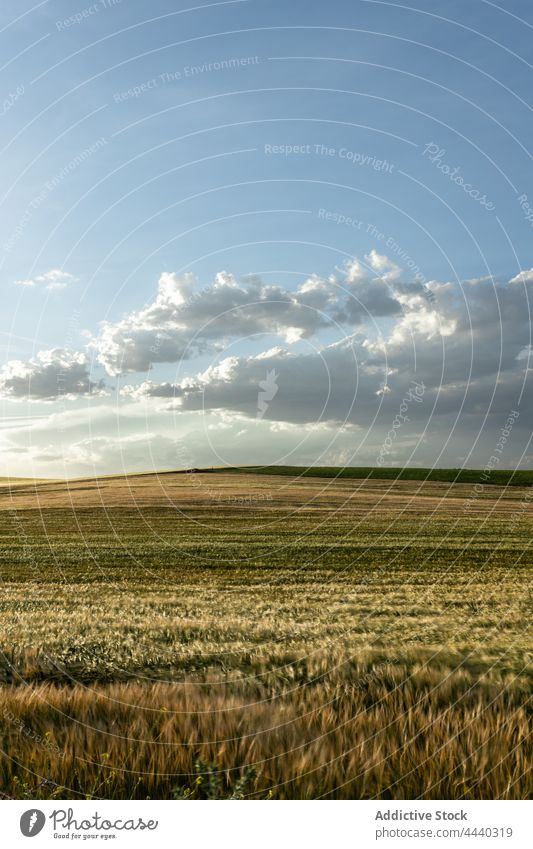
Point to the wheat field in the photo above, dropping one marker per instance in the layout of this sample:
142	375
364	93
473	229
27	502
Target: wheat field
259	636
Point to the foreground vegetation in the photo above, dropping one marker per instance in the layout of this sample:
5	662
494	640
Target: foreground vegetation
226	635
407	731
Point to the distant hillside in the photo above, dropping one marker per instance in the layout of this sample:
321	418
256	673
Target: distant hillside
500	477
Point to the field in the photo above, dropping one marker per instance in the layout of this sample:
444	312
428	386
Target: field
498	477
260	635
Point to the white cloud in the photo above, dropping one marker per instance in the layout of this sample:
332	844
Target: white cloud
466	345
525	276
181	323
385	267
466	341
54	279
149	389
50	375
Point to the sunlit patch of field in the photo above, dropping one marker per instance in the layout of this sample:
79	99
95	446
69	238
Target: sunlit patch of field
348	638
6	483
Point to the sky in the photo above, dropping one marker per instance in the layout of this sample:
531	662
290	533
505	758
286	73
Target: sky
265	232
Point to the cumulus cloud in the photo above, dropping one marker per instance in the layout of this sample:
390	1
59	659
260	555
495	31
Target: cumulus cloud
525	276
54	279
183	322
51	374
467	342
468	346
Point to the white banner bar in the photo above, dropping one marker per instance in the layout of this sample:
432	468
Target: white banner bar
263	825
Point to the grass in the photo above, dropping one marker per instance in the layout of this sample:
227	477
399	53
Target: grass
229	635
495	477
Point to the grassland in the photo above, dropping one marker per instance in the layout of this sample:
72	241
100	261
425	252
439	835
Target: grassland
309	637
495	477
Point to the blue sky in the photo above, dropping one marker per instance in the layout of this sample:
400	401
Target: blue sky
281	144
